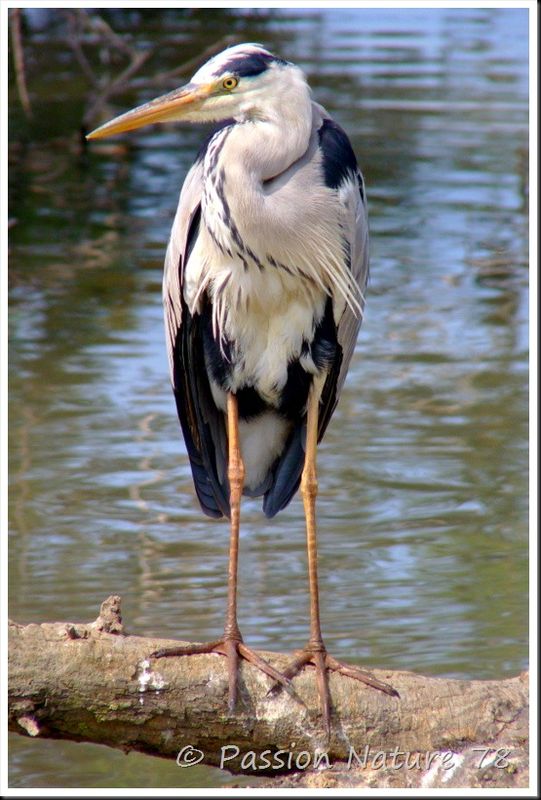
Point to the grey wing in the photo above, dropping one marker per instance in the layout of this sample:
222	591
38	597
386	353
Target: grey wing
175	258
357	232
342	174
183	234
287	473
202	423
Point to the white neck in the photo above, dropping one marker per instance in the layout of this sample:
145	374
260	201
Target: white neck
271	136
268	141
262	145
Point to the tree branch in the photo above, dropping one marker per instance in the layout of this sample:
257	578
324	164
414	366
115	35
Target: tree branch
163	78
93	683
18	60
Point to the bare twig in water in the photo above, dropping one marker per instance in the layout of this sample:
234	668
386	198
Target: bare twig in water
114	87
104	87
188	66
88	29
74	40
18	60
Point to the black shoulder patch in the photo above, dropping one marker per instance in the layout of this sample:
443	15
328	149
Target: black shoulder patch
249	65
339	162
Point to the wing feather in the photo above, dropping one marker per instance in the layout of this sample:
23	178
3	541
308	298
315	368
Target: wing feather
342	173
202	423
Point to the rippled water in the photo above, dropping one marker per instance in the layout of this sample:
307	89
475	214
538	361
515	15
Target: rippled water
423	472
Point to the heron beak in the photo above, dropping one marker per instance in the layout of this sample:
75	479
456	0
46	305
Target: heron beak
175	105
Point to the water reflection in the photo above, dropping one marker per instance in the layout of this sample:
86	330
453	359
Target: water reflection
423	480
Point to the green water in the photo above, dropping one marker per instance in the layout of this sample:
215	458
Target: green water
423	502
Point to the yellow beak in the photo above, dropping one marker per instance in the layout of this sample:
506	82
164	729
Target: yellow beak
175	105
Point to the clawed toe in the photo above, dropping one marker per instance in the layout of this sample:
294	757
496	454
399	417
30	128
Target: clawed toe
302	657
233	650
318	657
361	675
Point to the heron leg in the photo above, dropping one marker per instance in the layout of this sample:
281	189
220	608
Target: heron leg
231	645
235	474
315	652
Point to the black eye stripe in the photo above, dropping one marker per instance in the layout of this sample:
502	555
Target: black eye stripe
250	64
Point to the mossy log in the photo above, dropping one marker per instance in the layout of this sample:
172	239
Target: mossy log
93	683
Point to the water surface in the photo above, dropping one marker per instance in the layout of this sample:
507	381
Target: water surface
423	471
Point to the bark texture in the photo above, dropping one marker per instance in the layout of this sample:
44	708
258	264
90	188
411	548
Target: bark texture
93	683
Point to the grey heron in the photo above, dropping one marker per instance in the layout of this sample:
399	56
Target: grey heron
263	294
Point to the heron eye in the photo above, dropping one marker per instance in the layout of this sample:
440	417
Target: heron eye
229	83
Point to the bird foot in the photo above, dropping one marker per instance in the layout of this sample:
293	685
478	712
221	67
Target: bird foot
317	656
233	649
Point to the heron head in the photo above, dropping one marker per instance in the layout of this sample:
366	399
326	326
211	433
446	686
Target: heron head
242	82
